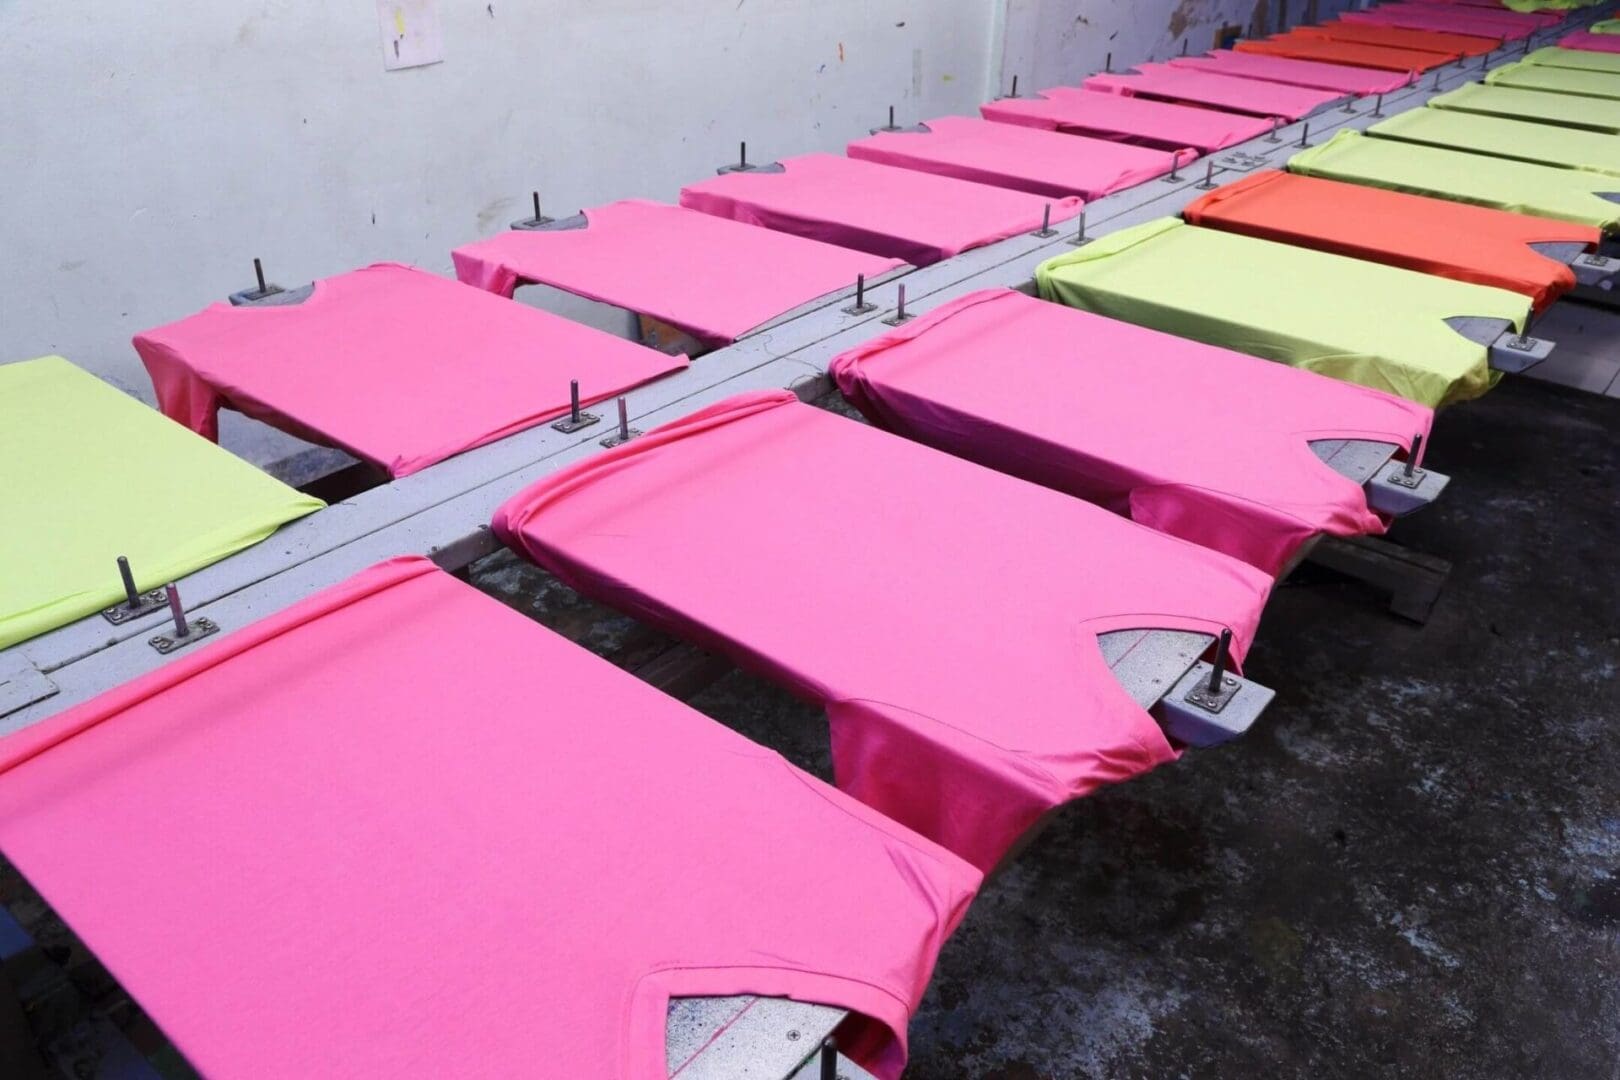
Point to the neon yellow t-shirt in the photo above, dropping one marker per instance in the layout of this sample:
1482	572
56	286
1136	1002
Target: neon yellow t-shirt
90	474
1363	322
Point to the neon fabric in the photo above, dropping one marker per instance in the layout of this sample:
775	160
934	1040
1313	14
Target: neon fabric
1557	80
1215	91
1516	186
1418	17
1458	14
396	366
1024	159
1564	110
1453	240
1280	69
1127	119
897	213
1520	140
1453	46
1326	50
1606	42
1082	404
90	474
386	748
697	272
1362	322
940	718
1574	59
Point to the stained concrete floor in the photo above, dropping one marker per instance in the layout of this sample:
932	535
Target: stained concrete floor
1410	868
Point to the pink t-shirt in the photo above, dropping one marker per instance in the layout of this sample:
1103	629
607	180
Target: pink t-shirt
1281	69
400	830
1585	39
1452	19
694	271
945	615
1082	403
898	213
396	366
1128	119
1025	159
1216	91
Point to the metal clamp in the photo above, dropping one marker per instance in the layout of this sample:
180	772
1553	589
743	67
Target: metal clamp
575	420
185	632
1595	270
625	432
248	296
1080	238
1400	487
899	315
1194	715
1515	353
1046	229
743	166
136	604
1208	706
860	306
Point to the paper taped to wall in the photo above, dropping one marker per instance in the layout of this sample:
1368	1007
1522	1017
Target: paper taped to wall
411	35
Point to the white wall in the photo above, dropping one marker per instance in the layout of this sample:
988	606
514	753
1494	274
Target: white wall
149	150
1060	42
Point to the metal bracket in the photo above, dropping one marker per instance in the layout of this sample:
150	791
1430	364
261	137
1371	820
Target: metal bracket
1191	714
914	129
1598	270
1213	701
625	432
547	224
1515	353
1395	493
196	630
148	602
1238	161
568	425
273	296
773	167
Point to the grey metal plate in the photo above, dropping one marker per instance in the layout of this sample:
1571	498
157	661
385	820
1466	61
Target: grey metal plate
21	683
281	298
1358	459
1562	252
755	1038
1392	492
1480	330
1148	663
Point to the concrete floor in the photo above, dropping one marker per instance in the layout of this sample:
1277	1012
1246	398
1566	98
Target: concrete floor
1410	868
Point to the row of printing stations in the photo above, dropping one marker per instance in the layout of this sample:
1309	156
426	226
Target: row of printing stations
1129	352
